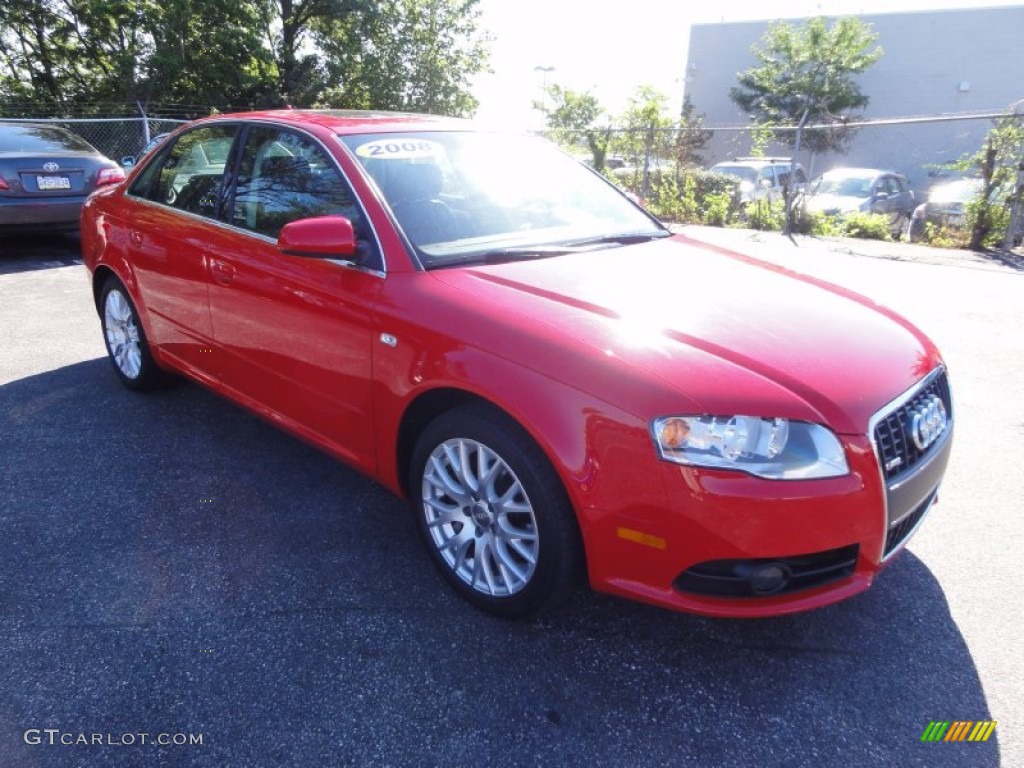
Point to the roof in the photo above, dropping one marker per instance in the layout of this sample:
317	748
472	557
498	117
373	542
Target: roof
353	121
837	172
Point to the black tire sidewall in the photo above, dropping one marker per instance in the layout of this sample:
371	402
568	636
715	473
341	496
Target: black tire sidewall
559	556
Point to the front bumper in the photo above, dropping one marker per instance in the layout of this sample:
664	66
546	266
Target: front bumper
724	536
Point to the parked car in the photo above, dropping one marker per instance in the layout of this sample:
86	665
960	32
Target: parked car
46	173
764	178
559	385
867	190
945	207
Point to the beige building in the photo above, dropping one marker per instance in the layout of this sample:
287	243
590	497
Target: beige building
935	63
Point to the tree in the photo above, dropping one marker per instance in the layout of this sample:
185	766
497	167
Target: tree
575	117
409	55
805	77
997	164
645	127
59	56
213	55
691	138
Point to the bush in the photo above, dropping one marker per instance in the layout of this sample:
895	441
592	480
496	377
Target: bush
941	236
765	215
870	226
687	196
815	223
993	217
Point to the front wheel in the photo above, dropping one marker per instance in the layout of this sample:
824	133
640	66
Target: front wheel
125	339
493	513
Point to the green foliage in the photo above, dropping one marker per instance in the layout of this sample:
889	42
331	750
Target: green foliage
764	214
996	162
945	237
573	120
808	68
817	223
691	137
691	196
407	55
644	131
761	136
59	55
868	226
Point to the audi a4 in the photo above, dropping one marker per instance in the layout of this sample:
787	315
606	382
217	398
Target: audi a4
563	389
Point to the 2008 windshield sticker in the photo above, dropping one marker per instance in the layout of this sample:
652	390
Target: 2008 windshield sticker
399	149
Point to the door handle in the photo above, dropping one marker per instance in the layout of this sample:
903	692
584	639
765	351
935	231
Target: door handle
135	236
222	273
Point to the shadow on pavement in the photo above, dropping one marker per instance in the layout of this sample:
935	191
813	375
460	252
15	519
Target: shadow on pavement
27	251
171	564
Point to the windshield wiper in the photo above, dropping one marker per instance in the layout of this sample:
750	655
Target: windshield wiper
626	238
530	252
517	253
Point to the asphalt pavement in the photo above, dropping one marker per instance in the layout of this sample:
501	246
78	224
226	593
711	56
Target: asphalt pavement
174	570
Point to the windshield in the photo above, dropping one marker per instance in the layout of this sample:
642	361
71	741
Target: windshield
845	186
745	172
955	191
463	197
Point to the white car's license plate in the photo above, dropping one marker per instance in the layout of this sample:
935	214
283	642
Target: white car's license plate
53	182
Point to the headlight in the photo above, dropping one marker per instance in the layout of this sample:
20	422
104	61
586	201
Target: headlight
777	449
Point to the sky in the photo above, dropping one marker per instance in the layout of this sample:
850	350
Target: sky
610	49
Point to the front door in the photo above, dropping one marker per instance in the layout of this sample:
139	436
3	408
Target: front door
294	332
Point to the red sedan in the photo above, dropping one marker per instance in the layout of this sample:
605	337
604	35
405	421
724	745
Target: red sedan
559	385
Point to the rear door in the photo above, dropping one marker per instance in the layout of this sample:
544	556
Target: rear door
172	227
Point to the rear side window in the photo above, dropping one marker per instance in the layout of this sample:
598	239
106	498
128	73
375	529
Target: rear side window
190	175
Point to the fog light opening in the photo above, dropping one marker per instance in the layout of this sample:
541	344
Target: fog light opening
766	578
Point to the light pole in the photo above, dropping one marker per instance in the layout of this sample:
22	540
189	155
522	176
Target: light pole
545	71
541	105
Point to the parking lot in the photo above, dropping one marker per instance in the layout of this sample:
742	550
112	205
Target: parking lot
172	566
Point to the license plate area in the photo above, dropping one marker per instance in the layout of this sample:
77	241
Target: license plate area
46	183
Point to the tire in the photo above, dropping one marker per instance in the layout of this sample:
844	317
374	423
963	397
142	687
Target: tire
125	340
494	514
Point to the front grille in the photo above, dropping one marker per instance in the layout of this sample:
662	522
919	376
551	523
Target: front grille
899	532
897	451
731	578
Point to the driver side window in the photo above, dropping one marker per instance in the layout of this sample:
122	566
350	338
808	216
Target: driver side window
283	177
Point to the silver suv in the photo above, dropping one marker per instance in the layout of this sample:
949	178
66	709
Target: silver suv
763	178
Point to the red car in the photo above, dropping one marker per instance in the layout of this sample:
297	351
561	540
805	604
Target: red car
559	385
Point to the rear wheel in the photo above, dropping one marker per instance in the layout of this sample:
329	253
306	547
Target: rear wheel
125	339
493	513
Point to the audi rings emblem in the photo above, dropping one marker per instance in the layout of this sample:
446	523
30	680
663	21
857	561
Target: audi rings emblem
928	420
50	167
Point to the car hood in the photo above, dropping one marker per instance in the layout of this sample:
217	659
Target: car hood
679	325
841	203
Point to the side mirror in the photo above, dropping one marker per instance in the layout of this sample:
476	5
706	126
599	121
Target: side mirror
322	237
128	161
880	196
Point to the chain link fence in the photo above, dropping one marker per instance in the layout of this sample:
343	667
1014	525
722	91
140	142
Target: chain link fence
921	148
115	137
667	167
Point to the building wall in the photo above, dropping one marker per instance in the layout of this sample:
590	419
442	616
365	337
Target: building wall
934	62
